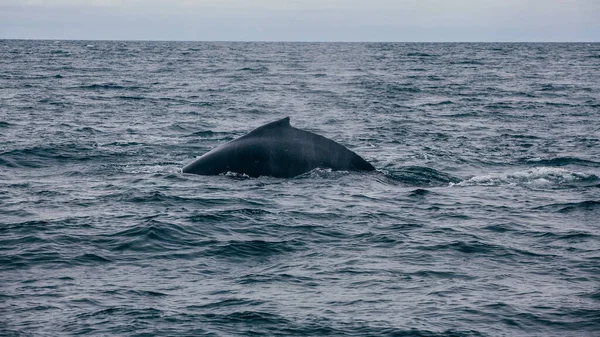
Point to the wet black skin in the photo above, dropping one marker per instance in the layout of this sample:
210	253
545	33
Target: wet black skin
279	150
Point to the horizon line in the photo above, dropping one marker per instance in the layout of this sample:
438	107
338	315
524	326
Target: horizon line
279	41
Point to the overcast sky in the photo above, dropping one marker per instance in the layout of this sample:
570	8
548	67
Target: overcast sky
302	20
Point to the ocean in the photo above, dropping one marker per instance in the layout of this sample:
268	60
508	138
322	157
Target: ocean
482	219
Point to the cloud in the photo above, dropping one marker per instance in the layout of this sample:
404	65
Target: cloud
323	20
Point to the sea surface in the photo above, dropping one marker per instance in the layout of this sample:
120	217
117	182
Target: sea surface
483	218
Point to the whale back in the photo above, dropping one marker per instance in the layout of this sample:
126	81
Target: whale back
277	149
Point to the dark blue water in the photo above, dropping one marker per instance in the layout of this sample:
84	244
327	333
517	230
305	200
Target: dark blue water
483	219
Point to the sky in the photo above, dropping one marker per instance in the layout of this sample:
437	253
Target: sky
303	20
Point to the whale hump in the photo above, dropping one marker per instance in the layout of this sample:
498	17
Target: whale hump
279	150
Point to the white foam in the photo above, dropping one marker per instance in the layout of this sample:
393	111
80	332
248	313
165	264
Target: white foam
154	169
538	176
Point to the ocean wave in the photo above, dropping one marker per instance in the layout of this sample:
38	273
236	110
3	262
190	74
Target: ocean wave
90	259
469	62
441	103
109	86
563	161
421	176
154	236
582	206
478	247
131	98
211	135
322	173
7	162
60	52
264	323
240	249
535	177
553	87
421	54
40	156
254	70
227	215
399	88
227	303
588	205
88	130
472	247
419	192
276	278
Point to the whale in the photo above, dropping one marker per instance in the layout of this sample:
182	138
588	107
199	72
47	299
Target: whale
278	150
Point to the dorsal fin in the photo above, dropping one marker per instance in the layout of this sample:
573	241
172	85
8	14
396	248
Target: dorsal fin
282	123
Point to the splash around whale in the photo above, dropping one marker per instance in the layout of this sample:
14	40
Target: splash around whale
279	150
